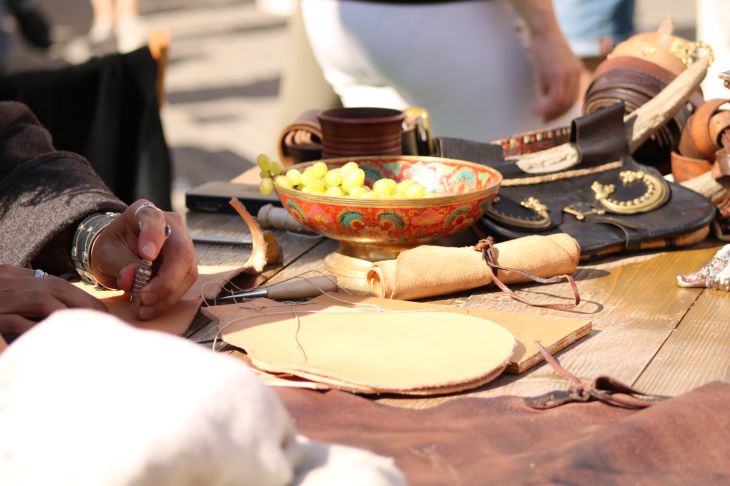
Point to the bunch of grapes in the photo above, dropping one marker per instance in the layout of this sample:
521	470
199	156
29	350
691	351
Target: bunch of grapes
345	181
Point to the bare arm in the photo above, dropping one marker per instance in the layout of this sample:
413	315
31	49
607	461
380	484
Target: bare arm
558	70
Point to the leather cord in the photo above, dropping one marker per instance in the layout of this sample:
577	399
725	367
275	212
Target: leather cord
486	246
603	389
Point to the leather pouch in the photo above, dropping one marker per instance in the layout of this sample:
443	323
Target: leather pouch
608	202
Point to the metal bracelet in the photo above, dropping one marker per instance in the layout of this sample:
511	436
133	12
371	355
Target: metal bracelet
84	237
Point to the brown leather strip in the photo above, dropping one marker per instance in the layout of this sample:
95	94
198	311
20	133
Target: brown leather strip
636	64
486	246
603	389
696	140
719	123
685	168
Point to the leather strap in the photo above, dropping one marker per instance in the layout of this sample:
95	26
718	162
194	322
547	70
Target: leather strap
685	168
696	140
528	142
486	246
603	389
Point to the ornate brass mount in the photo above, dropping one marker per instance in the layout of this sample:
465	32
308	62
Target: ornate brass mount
531	203
581	215
654	196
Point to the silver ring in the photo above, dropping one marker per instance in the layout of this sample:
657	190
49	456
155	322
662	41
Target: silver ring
146	205
40	273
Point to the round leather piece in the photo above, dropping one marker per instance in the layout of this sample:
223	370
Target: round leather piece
369	350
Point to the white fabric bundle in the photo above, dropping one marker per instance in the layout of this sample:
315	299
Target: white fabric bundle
87	399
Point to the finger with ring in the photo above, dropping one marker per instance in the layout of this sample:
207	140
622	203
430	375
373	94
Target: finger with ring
146	205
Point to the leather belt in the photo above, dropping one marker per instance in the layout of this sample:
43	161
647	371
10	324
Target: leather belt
635	81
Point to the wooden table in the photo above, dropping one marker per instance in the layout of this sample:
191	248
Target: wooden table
647	331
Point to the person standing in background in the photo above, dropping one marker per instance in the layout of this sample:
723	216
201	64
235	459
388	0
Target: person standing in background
594	28
482	69
118	18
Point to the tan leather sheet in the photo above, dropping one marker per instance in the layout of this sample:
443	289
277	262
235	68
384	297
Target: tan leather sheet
367	350
553	332
177	319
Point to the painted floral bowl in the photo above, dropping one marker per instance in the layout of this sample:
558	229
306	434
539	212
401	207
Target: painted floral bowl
459	192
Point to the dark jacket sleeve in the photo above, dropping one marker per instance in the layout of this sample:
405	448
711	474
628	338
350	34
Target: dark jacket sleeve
44	193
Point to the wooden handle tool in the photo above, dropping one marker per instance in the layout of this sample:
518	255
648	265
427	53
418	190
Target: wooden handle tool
298	288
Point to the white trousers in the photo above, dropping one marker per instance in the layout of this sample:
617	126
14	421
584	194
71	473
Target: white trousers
465	62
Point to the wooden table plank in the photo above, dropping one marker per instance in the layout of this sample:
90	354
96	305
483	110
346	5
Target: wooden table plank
634	304
697	352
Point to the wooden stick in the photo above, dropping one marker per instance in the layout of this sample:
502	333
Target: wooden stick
640	124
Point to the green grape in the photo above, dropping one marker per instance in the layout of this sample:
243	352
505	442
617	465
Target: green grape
334	191
275	168
266	186
348	167
314	185
415	191
283	181
333	178
352	179
358	191
319	169
385	187
263	162
294	176
403	186
264	173
370	195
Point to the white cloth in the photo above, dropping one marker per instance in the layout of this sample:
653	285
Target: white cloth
87	400
463	61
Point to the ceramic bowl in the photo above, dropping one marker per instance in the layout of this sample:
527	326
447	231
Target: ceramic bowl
372	229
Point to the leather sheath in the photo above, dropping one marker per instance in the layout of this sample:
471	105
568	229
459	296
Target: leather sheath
571	204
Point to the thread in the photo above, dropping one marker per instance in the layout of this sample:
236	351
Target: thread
358	307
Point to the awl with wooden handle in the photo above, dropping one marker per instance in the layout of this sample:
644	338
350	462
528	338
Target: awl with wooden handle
298	288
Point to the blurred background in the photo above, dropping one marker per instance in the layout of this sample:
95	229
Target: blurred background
224	75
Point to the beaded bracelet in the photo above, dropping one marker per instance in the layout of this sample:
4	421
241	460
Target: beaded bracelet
84	237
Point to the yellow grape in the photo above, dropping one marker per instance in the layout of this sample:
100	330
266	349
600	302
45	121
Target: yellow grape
283	181
358	191
384	187
333	178
352	179
264	173
334	191
266	186
370	195
415	191
275	168
294	176
348	167
263	161
319	169
403	186
314	185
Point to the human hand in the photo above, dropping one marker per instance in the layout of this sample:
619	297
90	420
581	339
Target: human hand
558	70
27	299
140	232
558	74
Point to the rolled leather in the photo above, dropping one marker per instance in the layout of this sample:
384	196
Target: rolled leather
414	274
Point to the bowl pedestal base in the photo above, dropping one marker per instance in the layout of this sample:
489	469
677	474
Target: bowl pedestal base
351	261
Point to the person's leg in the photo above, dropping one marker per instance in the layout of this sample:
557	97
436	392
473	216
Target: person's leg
476	81
130	34
103	23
